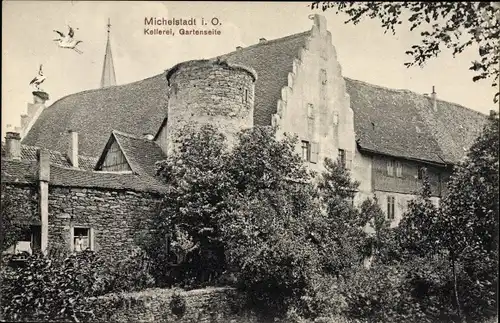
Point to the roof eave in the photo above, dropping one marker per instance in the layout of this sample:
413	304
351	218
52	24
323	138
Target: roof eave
371	151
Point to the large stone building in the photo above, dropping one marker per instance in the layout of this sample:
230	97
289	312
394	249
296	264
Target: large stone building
385	137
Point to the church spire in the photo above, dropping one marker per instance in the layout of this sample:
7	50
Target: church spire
108	70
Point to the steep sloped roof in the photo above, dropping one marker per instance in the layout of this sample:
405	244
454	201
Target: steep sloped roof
403	123
393	122
272	60
137	107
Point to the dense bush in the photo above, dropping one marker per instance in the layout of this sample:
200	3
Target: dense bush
52	289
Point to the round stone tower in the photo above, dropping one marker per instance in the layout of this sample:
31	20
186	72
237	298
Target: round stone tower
210	92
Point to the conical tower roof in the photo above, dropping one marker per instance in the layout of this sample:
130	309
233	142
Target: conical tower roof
108	77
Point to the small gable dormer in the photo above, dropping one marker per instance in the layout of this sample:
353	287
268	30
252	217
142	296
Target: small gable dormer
113	158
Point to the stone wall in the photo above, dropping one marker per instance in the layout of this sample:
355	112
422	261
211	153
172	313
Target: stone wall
114	217
153	305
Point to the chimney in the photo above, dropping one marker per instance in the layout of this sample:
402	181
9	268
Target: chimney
238	47
43	165
434	99
73	148
262	40
13	145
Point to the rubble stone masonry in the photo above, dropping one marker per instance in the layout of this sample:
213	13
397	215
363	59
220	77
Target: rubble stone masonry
114	217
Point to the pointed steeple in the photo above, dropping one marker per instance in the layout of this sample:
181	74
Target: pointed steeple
108	69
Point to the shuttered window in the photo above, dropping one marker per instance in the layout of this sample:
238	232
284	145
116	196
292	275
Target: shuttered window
314	152
348	159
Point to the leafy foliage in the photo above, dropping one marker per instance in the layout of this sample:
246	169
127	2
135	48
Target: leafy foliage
452	25
10	229
47	289
469	226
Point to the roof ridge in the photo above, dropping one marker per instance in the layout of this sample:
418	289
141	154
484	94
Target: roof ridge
267	42
412	92
104	88
128	135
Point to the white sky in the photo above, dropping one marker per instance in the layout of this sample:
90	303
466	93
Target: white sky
364	51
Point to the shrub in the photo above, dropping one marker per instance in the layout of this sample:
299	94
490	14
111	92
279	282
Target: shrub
47	289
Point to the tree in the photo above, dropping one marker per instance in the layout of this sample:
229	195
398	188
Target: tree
469	225
454	25
343	222
185	231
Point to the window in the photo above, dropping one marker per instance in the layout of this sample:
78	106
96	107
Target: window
342	158
29	241
310	111
306	150
390	168
310	151
245	96
82	239
391	201
399	169
420	172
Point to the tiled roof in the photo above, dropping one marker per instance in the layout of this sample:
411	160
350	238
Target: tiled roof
137	108
403	123
16	171
394	122
272	60
60	176
26	172
29	153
